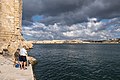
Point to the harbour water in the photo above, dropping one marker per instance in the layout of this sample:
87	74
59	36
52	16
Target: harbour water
77	61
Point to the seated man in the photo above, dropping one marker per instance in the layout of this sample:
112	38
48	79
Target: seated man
16	57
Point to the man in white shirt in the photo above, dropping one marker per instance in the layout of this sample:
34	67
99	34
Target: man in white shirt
23	58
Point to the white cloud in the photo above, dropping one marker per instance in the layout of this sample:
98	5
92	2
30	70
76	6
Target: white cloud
27	28
88	30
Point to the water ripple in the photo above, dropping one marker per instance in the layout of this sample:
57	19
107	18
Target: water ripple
77	62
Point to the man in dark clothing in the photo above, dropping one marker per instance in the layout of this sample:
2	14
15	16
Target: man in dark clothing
16	56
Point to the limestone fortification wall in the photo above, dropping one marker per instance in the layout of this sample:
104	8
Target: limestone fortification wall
11	25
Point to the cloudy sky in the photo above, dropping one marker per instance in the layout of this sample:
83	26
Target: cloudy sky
71	19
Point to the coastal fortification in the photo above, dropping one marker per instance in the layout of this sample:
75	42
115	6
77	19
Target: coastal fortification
11	26
11	38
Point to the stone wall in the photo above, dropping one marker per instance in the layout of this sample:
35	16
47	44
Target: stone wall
10	25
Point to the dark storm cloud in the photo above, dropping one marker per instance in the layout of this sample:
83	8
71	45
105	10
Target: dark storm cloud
70	11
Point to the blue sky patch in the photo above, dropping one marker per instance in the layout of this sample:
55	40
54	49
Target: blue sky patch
37	18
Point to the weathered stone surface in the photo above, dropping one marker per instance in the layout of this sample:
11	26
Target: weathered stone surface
11	39
32	60
10	25
28	44
9	72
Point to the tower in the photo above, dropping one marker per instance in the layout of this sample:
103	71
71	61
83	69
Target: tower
10	24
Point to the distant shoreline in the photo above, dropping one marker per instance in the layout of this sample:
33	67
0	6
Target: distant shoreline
110	41
76	43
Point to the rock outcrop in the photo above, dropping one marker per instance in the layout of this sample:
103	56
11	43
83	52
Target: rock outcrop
11	26
32	60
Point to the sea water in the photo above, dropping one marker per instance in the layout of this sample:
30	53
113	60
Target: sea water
77	61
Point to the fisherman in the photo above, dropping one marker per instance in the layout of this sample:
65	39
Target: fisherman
23	58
